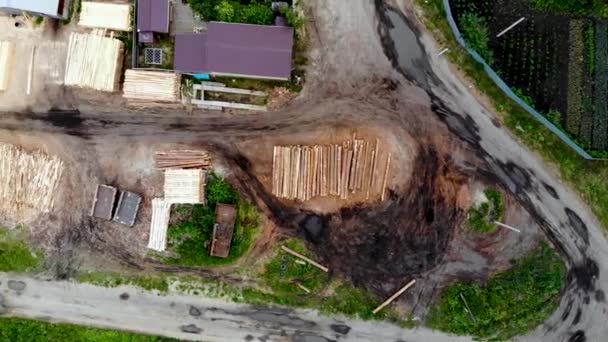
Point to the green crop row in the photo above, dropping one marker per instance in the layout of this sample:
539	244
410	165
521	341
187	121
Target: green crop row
575	77
600	123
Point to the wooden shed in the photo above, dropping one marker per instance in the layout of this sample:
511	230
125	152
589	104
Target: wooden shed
223	229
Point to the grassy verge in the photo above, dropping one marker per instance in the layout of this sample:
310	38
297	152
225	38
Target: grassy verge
255	84
25	330
15	254
188	238
589	178
481	217
511	303
149	283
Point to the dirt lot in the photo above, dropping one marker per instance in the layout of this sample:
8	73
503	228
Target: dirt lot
416	232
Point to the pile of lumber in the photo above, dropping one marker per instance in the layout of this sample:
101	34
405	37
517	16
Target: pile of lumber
105	15
94	61
152	85
183	159
185	186
7	50
28	179
159	224
304	172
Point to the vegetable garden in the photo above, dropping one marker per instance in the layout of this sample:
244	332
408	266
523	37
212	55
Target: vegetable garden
555	60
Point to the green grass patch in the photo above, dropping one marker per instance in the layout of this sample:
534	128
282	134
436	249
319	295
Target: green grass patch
15	254
187	238
256	84
589	178
25	330
481	218
511	303
150	283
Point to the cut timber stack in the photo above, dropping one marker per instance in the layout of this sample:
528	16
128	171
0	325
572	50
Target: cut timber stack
304	172
183	159
104	15
94	61
28	179
7	50
144	85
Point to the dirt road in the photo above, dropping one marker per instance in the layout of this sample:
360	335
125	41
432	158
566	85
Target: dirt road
390	78
185	317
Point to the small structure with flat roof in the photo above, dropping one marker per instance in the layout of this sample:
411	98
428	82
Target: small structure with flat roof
128	205
103	204
225	217
47	8
185	186
239	50
153	16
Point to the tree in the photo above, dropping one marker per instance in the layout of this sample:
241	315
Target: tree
224	11
255	13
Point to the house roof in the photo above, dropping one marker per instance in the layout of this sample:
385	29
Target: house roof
237	49
48	7
153	16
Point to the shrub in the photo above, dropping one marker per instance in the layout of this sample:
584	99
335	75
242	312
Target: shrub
15	255
476	34
481	218
512	302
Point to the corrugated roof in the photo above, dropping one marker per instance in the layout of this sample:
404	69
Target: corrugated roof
153	16
237	49
190	52
49	7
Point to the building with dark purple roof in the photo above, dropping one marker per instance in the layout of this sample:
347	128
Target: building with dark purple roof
240	50
152	17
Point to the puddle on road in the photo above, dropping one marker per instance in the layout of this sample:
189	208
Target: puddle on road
409	52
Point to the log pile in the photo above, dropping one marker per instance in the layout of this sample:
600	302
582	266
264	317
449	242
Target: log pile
94	61
153	86
182	159
28	179
7	50
304	172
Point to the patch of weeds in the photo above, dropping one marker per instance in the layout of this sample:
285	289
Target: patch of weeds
255	84
150	283
511	303
482	217
15	253
25	330
73	12
189	238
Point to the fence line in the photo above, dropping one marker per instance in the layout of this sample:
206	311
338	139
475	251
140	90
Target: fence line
505	88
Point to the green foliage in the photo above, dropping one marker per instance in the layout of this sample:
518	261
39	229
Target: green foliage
292	18
590	46
481	218
25	330
15	254
284	270
527	99
248	12
475	32
511	303
149	283
577	7
73	11
188	237
555	117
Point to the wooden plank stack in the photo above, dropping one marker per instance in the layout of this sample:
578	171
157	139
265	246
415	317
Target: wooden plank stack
7	51
304	172
105	15
182	159
28	179
153	86
94	61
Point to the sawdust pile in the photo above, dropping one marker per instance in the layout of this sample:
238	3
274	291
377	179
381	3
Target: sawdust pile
28	180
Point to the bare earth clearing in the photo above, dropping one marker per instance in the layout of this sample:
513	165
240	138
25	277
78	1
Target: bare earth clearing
372	71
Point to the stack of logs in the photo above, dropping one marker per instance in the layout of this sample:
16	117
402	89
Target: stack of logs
304	172
182	159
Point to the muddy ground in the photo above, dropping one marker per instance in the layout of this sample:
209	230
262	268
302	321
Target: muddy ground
416	233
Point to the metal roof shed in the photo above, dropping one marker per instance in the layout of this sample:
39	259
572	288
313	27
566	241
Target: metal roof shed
128	205
49	8
152	16
240	50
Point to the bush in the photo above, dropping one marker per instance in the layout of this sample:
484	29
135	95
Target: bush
475	32
252	12
511	303
15	255
481	219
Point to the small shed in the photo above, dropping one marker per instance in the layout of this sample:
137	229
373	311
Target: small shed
153	16
185	186
128	205
103	204
105	15
223	229
7	51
